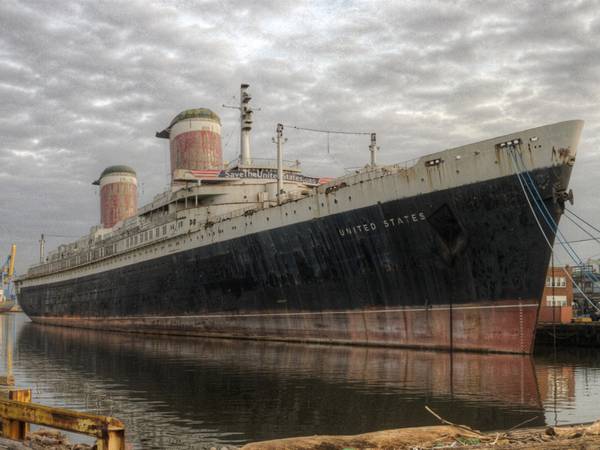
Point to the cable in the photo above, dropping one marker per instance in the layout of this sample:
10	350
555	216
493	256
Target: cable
514	161
314	130
583	229
552	224
593	238
228	138
587	223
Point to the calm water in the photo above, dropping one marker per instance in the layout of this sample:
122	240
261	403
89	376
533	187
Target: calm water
181	393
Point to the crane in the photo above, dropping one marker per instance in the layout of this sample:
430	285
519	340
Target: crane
7	272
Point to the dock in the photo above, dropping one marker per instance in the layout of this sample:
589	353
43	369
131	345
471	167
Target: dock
569	334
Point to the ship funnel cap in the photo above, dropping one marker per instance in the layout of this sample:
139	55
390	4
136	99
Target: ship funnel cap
115	169
196	113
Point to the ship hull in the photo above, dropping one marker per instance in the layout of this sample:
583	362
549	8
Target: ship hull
507	326
461	268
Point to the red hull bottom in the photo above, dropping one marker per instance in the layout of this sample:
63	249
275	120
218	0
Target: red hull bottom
504	326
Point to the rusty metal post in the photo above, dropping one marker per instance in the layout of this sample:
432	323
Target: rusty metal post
13	428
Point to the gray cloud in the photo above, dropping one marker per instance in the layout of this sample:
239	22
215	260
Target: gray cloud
86	84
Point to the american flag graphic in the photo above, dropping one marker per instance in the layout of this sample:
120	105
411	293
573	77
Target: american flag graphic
325	180
206	173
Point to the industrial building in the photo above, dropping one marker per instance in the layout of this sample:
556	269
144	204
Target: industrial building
557	299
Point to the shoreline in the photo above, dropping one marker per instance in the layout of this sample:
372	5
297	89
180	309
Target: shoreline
580	436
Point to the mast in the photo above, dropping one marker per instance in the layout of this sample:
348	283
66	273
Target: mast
373	149
279	141
245	125
42	242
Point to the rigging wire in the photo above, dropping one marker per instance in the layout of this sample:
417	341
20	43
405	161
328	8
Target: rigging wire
593	238
228	138
60	236
315	130
514	161
577	241
548	217
546	213
539	203
328	133
584	221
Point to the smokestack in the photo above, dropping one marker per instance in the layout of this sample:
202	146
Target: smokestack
195	141
118	194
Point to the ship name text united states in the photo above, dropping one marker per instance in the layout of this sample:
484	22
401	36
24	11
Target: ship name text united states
388	224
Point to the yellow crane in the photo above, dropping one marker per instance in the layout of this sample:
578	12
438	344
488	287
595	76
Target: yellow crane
11	264
7	272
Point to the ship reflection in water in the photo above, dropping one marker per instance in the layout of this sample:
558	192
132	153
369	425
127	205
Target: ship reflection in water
191	393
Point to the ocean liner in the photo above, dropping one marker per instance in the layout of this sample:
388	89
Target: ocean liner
445	252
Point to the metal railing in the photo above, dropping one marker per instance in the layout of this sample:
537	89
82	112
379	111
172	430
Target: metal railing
17	412
264	163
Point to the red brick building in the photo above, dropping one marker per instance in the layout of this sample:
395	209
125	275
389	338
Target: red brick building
557	299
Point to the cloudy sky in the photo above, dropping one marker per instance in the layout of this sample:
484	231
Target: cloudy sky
84	85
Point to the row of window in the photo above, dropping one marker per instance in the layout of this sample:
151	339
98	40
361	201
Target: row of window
133	241
558	282
556	300
146	236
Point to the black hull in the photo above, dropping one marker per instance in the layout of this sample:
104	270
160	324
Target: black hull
423	258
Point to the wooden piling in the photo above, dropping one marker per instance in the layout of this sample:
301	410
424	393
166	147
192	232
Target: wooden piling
16	429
